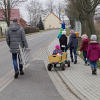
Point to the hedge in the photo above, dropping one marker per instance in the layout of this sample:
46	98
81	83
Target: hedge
31	29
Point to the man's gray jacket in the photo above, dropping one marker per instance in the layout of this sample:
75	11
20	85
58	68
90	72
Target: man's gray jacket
15	36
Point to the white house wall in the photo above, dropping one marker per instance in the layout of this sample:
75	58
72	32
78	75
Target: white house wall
4	26
51	22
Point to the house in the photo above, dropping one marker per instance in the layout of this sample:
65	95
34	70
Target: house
51	22
14	13
23	23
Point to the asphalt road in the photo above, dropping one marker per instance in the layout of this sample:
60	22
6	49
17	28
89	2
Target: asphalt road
34	85
35	42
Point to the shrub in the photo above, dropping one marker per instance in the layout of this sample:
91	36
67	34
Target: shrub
31	29
40	25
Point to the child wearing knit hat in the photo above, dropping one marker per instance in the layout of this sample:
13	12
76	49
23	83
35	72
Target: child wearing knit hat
72	32
93	53
73	44
84	46
63	41
57	50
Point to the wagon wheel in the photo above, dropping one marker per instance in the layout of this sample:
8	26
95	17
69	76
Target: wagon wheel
63	67
68	63
49	67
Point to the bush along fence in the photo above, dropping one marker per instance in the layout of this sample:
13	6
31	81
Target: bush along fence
31	29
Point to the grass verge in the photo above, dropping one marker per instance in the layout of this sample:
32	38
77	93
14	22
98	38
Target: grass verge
2	36
68	32
36	32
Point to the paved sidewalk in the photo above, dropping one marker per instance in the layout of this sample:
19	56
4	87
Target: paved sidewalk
79	78
34	85
59	84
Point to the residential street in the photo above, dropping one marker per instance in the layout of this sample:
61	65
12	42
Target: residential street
37	83
35	43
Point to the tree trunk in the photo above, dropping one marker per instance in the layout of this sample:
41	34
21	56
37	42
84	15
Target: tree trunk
83	27
8	23
91	26
88	30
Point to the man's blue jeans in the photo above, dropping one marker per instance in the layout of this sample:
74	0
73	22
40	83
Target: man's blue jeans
14	58
72	49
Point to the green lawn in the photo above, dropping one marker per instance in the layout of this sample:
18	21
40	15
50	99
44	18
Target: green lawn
36	32
2	36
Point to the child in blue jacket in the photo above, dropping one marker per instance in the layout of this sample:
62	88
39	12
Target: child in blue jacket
73	44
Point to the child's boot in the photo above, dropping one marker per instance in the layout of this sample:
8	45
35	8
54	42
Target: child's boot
85	63
71	59
92	69
88	63
95	71
75	61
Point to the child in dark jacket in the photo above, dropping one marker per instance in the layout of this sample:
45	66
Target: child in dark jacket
57	50
63	41
84	46
93	53
73	44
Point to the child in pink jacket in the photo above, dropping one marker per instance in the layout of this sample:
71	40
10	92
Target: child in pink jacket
57	50
84	46
93	53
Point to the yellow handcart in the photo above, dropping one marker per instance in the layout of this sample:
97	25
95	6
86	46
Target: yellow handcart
58	61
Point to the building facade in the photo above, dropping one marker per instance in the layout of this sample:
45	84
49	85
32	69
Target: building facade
51	22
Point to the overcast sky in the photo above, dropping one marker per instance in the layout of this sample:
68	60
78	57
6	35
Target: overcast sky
24	12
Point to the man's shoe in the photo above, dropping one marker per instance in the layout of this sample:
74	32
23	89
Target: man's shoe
16	74
21	73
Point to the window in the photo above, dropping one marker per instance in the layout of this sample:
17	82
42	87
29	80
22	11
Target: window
49	25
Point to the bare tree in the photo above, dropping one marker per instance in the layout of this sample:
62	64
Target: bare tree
6	6
59	8
86	10
35	10
50	6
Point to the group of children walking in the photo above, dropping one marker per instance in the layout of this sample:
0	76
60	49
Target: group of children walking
91	49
